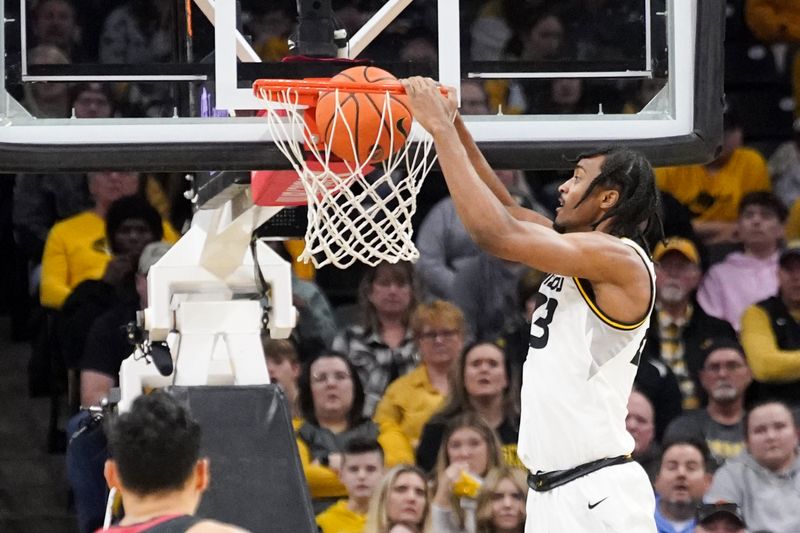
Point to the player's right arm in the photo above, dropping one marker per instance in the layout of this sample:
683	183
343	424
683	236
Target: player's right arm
488	176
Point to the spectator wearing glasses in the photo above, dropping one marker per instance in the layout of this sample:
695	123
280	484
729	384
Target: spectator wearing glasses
331	402
480	385
725	378
381	346
412	399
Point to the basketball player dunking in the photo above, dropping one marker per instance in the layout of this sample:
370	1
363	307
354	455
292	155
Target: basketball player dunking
588	329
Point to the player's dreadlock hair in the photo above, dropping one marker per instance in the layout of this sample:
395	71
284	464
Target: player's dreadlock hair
637	213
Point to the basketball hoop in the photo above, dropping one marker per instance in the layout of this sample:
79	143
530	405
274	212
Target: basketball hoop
357	209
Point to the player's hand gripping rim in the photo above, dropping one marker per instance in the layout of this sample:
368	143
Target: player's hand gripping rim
429	107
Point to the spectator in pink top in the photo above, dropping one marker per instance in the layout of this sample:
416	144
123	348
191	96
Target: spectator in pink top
751	275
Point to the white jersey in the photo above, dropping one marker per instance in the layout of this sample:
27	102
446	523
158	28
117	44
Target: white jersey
577	377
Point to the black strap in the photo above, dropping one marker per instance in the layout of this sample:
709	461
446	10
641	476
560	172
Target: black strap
545	481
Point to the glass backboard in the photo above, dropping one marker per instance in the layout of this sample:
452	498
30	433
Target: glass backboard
539	81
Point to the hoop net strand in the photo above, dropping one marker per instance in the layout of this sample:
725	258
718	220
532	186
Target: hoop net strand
362	213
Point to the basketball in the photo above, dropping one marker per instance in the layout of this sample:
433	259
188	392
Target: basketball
369	128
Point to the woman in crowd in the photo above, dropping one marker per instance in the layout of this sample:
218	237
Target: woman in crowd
401	503
501	501
469	450
410	401
765	479
382	346
331	403
480	385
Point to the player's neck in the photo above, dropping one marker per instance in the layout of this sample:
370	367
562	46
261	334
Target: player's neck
143	508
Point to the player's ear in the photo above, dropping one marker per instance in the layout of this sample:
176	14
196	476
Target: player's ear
202	471
111	474
609	198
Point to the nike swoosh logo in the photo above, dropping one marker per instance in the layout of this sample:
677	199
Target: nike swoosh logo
593	505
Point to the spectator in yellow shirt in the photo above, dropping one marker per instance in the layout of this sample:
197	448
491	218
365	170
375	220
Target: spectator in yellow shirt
771	334
411	400
712	192
361	472
76	248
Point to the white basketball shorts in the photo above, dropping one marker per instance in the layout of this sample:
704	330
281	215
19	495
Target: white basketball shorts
614	499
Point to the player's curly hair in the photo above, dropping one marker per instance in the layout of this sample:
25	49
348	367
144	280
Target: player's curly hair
637	213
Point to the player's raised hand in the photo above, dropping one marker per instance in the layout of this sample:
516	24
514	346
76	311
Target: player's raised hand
428	105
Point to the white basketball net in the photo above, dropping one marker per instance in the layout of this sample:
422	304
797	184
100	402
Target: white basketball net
353	214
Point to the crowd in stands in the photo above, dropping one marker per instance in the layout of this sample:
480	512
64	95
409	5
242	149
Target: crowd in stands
406	415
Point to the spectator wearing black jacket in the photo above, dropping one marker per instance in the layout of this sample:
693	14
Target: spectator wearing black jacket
679	327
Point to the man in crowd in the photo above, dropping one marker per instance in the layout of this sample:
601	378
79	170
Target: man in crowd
771	334
679	327
720	517
681	483
640	424
713	191
746	277
725	378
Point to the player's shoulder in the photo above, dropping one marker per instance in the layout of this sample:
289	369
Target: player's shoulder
625	246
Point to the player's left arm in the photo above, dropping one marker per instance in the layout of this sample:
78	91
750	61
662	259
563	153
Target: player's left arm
490	179
590	255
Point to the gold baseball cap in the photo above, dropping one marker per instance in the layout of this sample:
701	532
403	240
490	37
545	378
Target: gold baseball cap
677	244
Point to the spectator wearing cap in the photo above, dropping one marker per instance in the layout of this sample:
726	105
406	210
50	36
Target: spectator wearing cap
725	378
679	327
764	480
721	517
771	333
713	191
746	277
681	483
